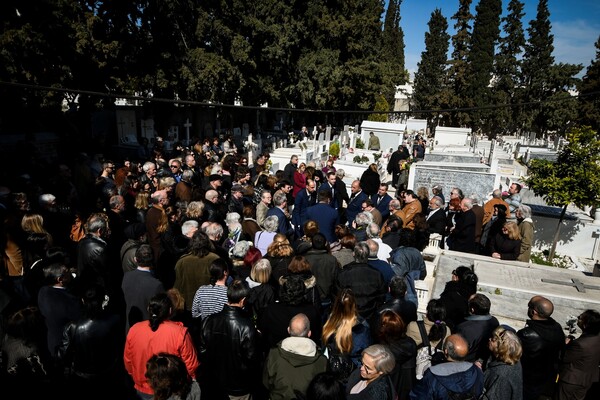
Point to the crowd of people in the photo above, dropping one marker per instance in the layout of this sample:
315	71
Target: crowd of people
190	273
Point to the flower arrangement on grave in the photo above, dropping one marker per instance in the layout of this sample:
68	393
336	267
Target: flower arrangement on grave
377	156
360	159
359	143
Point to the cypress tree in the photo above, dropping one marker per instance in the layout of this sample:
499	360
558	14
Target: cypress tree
430	91
589	102
392	52
537	61
458	73
507	69
486	33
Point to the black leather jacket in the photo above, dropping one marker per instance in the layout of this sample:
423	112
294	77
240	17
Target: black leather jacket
93	346
92	261
231	357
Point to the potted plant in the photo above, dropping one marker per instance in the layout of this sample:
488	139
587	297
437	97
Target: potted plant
334	150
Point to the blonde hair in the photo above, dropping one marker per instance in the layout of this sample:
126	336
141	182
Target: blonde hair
194	209
141	200
342	319
261	271
506	346
33	223
513	230
166	182
280	247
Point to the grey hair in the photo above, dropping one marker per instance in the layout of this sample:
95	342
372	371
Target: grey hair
271	223
46	199
468	202
147	166
373	230
187	175
279	198
214	229
232	218
240	249
525	211
383	358
363	218
188	225
340	173
361	252
395	204
437	200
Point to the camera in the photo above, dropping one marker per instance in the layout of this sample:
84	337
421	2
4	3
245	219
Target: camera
572	324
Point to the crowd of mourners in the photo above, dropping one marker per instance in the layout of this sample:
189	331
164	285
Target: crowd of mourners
195	272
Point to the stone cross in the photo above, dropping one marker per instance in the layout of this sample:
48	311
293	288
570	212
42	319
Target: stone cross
576	283
187	127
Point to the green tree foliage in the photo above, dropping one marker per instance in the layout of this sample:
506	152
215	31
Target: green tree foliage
589	105
340	68
430	91
507	68
536	64
573	178
381	104
486	33
392	51
458	73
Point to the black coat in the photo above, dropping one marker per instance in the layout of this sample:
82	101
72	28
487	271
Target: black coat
462	238
232	357
369	182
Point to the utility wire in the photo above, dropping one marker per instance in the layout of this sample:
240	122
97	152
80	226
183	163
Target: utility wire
298	110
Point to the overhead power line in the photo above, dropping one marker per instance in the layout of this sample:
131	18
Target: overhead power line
221	105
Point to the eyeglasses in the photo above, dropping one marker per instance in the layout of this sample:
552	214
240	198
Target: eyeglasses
174	166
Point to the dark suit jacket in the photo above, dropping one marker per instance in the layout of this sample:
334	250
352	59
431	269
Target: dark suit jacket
284	225
579	365
383	206
326	217
355	206
301	204
437	222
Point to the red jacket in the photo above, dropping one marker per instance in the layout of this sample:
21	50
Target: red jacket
141	344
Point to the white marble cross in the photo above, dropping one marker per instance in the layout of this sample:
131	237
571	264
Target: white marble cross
187	127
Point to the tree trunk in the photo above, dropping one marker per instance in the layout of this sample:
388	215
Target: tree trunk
557	233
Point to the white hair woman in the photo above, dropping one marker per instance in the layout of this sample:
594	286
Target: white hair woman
263	239
372	380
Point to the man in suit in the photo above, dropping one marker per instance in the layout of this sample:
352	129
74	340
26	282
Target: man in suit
381	200
579	364
356	200
462	237
436	218
329	185
304	199
324	215
280	211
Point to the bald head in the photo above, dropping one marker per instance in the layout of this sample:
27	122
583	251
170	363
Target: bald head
456	347
540	308
299	326
373	247
497	194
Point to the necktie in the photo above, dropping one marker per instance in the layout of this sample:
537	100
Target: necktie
378	199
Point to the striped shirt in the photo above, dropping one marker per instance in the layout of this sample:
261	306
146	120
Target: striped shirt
209	300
